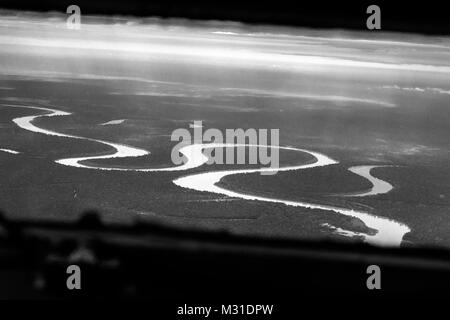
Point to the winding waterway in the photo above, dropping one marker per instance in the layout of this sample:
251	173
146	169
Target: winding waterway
387	232
378	186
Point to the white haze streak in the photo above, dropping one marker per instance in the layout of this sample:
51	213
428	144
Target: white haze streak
112	122
10	151
291	61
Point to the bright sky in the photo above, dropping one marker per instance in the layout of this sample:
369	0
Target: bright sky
299	50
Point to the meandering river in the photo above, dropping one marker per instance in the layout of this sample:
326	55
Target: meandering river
387	231
378	186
